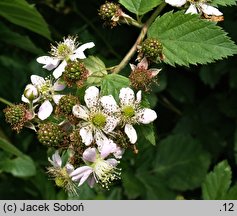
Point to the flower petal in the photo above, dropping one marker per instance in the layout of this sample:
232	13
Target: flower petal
56	98
133	67
131	133
49	62
109	104
210	10
192	9
56	160
79	52
107	148
86	135
100	138
69	167
45	110
143	64
85	177
118	153
91	97
176	3
79	171
111	123
59	85
89	154
80	112
126	96
113	162
91	181
139	97
59	70
37	80
24	99
146	116
154	71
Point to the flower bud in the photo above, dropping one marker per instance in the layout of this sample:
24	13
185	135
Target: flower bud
31	92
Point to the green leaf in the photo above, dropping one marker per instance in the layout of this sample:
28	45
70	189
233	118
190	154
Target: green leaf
97	70
232	193
133	187
15	39
211	74
181	162
155	187
223	2
187	39
181	88
19	167
112	83
140	7
235	145
217	182
8	147
146	133
25	15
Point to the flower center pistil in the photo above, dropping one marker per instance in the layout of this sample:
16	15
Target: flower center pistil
46	90
105	173
63	51
128	111
99	120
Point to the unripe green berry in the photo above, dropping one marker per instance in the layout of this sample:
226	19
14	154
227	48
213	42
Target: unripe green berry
108	12
50	134
151	48
75	73
16	115
65	104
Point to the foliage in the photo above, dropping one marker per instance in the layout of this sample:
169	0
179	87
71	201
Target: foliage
190	150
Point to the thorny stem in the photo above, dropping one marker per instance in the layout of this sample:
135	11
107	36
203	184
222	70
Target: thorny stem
6	102
140	38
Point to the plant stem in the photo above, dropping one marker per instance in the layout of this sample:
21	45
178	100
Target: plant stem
133	22
170	106
6	102
140	38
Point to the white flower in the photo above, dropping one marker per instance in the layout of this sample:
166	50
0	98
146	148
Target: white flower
96	122
98	169
48	92
64	51
196	7
132	113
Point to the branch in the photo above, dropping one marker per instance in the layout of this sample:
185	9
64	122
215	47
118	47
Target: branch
140	38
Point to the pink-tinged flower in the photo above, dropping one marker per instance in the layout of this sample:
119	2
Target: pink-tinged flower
132	113
99	169
96	122
47	93
196	7
61	174
67	50
141	77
